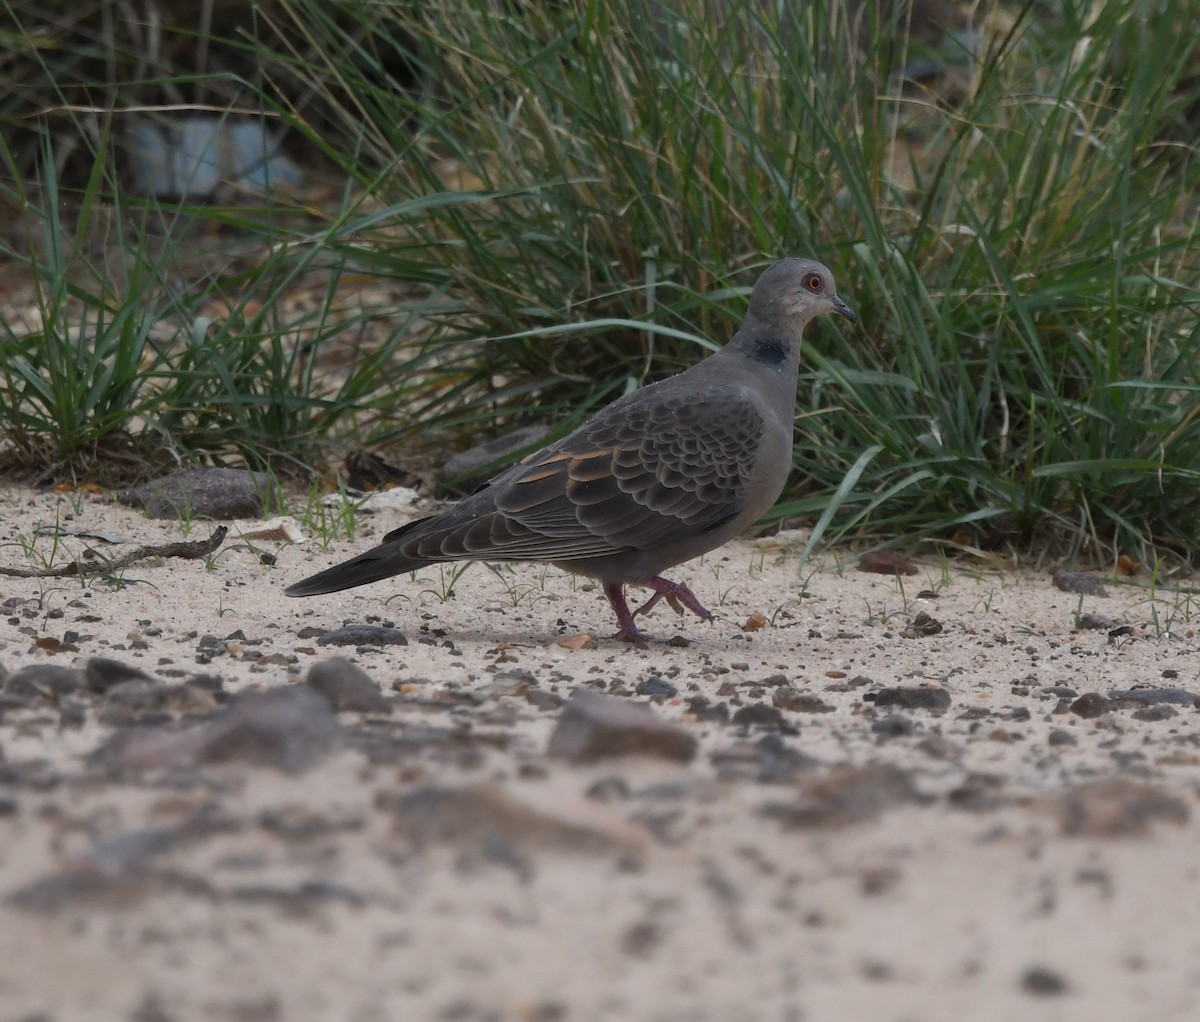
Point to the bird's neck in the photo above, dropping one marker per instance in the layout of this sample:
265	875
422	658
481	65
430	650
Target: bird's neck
769	346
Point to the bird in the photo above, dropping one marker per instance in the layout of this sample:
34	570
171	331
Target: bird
661	475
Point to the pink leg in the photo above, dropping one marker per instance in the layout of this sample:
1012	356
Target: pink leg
628	630
673	591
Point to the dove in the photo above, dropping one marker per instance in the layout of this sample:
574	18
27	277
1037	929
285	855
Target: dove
659	476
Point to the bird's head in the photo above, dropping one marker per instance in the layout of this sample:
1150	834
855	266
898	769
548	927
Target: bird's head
797	290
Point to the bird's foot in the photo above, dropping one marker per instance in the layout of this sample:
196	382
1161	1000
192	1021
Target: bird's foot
676	594
628	631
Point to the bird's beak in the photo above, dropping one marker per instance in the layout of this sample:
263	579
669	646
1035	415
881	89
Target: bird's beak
842	309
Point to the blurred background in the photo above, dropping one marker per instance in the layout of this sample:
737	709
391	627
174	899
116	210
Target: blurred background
342	241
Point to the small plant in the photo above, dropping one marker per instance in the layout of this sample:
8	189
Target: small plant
331	518
448	574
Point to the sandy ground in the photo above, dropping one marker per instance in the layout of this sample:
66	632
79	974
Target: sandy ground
880	821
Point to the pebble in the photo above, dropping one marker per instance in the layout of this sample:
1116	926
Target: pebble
1090	705
759	714
291	729
920	697
218	493
799	702
345	686
363	635
894	725
1043	982
43	681
102	673
1117	807
656	686
594	726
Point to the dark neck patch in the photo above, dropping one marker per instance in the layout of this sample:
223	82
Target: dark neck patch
768	351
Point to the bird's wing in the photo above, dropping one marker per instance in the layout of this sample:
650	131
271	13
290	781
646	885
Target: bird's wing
641	473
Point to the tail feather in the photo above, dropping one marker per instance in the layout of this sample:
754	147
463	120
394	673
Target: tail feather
372	565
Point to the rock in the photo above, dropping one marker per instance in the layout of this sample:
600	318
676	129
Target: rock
1154	696
940	747
487	818
1091	704
978	793
291	729
758	714
848	795
1116	807
894	725
1155	713
363	635
1078	582
886	562
593	726
656	686
43	681
1043	982
220	493
799	702
101	673
347	687
922	625
708	713
770	760
920	697
471	465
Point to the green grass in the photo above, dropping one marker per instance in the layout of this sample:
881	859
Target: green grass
576	199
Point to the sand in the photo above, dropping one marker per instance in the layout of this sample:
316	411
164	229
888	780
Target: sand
882	820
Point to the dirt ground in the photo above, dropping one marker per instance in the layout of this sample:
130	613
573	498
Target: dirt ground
849	811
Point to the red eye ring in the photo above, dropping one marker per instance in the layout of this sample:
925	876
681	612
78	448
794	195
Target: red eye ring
814	282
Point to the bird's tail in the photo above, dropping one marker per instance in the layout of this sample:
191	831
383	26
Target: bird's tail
379	562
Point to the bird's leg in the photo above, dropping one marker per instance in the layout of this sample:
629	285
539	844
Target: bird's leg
628	630
676	593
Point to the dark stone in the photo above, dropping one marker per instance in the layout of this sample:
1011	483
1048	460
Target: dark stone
921	697
758	714
922	626
291	729
220	493
487	819
656	686
1043	982
978	793
593	726
543	700
347	687
1154	696
1154	713
1091	704
1061	737
43	681
1116	807
940	747
770	760
101	673
1078	582
847	796
799	702
707	712
363	635
488	458
886	562
894	725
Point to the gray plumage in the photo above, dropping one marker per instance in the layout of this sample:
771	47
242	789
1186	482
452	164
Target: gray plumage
656	478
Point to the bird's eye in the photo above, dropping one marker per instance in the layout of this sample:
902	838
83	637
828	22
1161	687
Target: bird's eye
814	282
